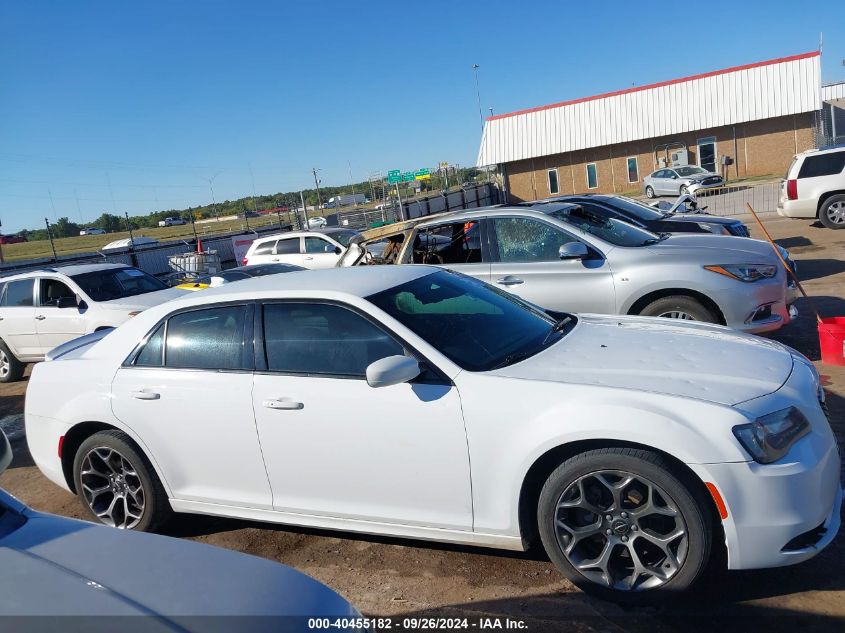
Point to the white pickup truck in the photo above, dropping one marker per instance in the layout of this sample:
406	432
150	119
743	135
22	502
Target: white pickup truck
173	221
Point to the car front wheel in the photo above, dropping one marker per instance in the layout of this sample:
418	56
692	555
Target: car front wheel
683	190
623	524
679	307
117	484
649	192
832	213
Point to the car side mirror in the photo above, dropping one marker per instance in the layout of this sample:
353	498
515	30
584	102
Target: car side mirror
573	250
392	370
674	176
338	250
66	302
5	452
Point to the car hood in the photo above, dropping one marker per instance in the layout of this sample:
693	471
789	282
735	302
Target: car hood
57	566
692	360
700	177
718	249
143	301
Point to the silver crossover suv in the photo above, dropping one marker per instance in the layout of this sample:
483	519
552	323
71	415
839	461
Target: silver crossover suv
570	260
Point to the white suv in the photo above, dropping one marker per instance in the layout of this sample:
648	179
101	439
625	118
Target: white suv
42	309
309	249
815	187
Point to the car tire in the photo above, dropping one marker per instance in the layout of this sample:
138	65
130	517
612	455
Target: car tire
679	307
648	499
11	369
683	190
832	212
649	192
117	485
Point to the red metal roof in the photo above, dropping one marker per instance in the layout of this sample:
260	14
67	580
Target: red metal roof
779	60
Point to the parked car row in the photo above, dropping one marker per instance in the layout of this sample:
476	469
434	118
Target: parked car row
473	374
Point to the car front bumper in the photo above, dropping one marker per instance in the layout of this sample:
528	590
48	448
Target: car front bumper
779	514
740	303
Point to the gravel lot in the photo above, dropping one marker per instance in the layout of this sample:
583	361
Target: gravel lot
392	577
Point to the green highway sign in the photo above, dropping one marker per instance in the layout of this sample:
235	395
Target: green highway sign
408	176
422	174
394	176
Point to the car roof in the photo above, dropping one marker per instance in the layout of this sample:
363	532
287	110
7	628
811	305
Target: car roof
69	270
360	281
304	233
822	150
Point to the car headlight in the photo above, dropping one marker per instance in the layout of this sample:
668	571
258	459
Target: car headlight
769	437
745	272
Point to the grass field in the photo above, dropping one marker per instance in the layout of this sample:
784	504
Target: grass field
90	243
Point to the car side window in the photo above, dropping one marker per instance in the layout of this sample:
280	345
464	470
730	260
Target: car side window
152	354
207	339
265	248
287	246
455	243
822	165
51	290
323	339
19	294
318	245
528	240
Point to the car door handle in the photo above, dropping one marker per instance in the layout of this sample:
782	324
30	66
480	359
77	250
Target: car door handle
283	404
510	280
309	258
146	395
40	317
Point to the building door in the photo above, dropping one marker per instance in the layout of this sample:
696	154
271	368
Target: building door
707	153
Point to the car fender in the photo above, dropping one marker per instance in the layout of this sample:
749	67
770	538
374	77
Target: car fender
628	295
506	437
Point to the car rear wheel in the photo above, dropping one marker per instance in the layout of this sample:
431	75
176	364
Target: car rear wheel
649	192
117	484
832	213
623	524
679	307
11	369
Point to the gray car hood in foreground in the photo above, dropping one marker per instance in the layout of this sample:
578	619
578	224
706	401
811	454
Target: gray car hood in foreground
717	246
693	360
57	566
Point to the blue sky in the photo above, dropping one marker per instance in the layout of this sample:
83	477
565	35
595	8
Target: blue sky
134	106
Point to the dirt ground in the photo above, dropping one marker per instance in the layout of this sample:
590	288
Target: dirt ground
393	577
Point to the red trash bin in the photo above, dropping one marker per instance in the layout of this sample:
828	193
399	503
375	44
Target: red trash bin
832	340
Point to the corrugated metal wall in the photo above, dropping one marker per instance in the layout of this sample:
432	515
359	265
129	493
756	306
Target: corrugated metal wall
833	91
747	93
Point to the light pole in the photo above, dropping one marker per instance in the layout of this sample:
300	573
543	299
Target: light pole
478	95
213	201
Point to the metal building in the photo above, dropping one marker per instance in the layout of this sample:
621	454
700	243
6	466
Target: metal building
743	121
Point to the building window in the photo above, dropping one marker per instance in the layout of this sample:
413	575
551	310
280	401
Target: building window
592	176
633	171
553	184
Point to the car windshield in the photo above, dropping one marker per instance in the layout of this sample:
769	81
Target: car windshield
690	171
343	237
477	326
117	283
610	230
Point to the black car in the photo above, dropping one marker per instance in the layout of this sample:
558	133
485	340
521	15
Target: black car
644	216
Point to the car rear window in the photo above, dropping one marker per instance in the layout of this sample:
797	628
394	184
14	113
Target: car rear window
822	165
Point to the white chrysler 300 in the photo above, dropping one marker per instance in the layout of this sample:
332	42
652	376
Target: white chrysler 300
417	402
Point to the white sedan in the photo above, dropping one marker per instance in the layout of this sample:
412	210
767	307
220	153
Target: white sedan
417	402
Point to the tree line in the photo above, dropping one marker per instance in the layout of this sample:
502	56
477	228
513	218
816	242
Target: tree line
112	223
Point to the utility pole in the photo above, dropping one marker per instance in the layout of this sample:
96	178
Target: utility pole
304	211
314	171
129	226
193	225
50	235
246	219
1	244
